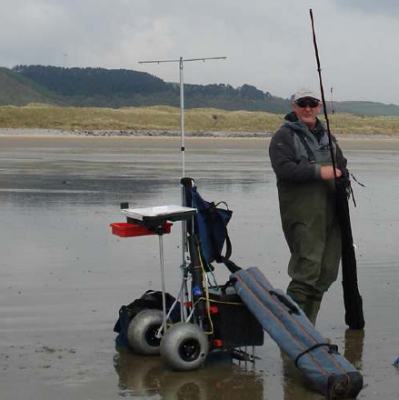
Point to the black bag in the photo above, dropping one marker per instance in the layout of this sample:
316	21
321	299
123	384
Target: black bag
150	300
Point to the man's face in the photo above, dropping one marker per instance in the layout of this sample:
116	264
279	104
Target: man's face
306	110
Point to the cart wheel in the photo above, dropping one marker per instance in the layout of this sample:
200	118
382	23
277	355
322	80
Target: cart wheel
184	346
142	330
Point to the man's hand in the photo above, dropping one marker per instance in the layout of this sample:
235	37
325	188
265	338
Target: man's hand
327	172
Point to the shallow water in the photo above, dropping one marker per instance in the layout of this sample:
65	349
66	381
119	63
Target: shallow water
63	276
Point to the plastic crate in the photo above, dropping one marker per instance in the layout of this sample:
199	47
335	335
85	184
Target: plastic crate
125	229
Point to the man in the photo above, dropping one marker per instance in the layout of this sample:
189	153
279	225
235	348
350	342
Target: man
301	159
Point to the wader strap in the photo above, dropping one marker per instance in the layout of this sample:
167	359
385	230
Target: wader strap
309	151
332	348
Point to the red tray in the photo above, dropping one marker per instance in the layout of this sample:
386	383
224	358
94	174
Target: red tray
125	229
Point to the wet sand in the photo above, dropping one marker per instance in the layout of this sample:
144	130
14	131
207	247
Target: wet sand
63	276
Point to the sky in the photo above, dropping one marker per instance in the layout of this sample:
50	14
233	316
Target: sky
268	43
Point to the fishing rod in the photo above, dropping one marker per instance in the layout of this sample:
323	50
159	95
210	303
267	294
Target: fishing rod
323	99
352	300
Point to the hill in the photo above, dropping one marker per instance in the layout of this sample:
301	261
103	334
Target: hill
116	88
99	87
18	90
367	108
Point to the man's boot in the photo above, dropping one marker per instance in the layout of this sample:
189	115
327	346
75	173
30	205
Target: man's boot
311	309
310	306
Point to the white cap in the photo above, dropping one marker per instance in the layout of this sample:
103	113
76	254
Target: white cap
301	93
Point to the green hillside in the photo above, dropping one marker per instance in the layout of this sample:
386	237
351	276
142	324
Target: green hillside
367	108
17	90
118	88
100	87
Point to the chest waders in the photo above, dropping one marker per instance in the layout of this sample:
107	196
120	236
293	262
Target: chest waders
310	228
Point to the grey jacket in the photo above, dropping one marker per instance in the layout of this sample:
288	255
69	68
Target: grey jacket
290	158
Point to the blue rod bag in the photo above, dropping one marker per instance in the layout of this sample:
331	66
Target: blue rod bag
329	372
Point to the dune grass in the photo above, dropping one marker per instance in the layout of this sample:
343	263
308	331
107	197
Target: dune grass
165	118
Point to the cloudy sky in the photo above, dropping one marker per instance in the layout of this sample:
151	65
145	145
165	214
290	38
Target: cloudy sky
268	42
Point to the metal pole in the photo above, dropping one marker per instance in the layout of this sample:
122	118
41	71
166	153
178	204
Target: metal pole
162	264
181	61
183	200
182	117
332	100
183	256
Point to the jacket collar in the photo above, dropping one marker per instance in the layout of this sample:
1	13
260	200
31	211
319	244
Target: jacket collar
292	121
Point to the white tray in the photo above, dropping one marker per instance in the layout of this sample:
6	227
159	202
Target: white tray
168	212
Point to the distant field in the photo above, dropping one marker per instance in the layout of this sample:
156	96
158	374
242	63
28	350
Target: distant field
167	118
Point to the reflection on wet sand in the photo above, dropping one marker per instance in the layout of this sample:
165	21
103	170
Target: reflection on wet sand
354	341
148	377
64	276
220	379
138	376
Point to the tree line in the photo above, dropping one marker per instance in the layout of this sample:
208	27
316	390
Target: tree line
120	87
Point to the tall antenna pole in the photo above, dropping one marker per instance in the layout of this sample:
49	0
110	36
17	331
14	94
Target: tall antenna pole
182	148
332	100
181	62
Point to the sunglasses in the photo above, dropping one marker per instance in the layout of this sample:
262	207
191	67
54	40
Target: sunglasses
307	102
